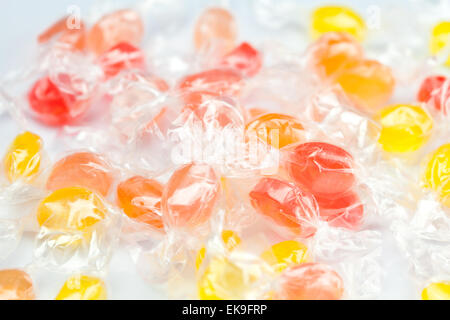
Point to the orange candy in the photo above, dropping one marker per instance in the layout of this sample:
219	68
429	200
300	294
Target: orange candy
72	38
285	204
215	26
334	51
83	169
140	199
278	130
368	83
16	285
120	26
310	281
190	196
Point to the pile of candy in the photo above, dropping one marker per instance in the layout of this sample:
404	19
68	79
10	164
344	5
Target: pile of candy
229	170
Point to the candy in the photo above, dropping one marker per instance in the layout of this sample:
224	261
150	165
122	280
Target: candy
437	291
215	27
337	18
440	39
346	211
310	281
121	57
52	106
230	239
278	130
333	52
140	199
285	254
437	173
405	128
285	204
71	209
321	168
218	81
16	285
81	287
190	196
82	169
22	161
436	91
71	37
120	26
368	83
222	280
244	58
211	111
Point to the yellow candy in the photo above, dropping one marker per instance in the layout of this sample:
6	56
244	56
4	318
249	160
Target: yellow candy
437	291
405	128
440	39
230	239
23	159
437	173
82	287
222	280
285	254
336	18
71	209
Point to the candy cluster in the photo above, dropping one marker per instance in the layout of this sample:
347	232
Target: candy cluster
229	170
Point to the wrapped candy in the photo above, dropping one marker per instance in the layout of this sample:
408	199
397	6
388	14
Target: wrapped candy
82	287
337	19
16	284
439	38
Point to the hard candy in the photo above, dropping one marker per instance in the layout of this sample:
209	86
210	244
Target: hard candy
244	59
440	39
346	211
120	26
285	254
218	81
222	280
140	199
215	27
435	90
82	287
405	128
368	83
82	169
22	161
310	281
277	130
321	168
72	37
71	209
285	204
16	285
333	52
437	291
53	106
122	56
337	18
190	196
437	173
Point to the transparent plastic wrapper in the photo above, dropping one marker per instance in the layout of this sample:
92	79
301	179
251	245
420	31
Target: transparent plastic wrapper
22	179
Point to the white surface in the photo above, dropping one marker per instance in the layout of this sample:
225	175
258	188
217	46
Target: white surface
20	22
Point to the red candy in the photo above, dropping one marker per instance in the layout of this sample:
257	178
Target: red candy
244	59
122	56
219	81
345	212
321	168
310	281
190	196
436	91
285	204
53	106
